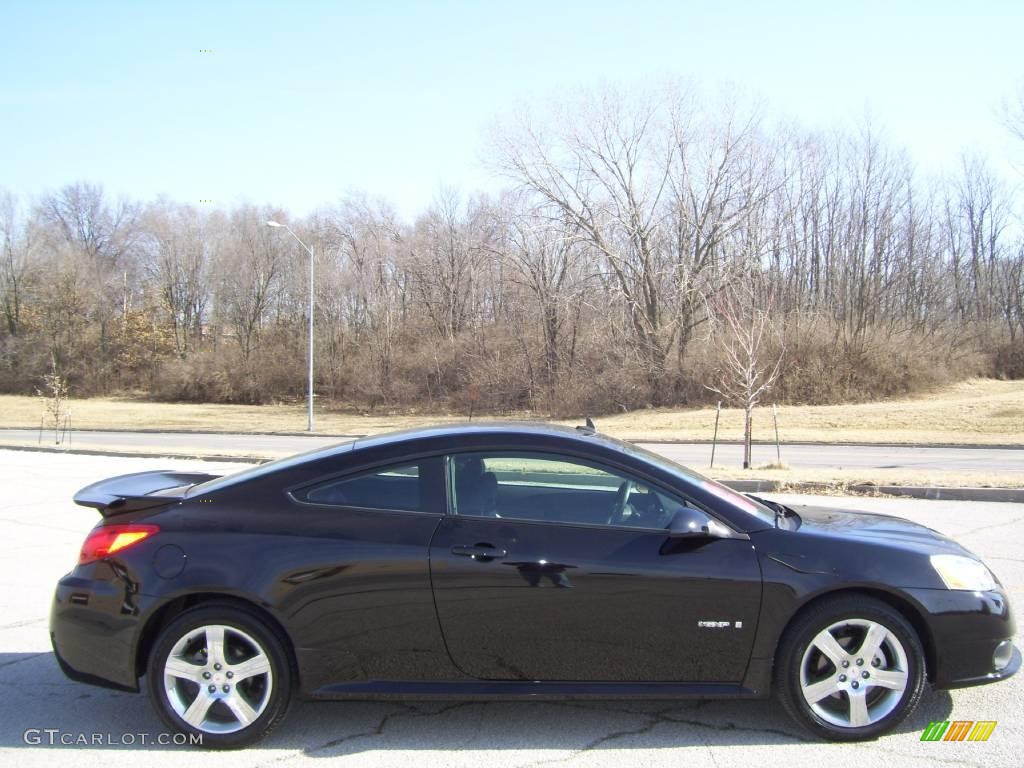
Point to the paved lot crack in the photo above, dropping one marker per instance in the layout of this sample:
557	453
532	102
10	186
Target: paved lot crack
973	531
664	717
655	720
28	657
403	710
931	758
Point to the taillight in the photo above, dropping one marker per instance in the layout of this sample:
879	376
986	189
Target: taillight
108	539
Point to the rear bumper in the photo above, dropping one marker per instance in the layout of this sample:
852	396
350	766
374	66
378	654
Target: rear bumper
94	628
966	629
81	677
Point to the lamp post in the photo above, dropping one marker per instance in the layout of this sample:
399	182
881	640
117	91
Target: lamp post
309	426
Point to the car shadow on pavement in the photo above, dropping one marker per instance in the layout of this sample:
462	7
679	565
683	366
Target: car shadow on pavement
41	698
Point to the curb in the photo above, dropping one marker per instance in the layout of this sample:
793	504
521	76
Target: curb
935	493
130	455
843	444
185	431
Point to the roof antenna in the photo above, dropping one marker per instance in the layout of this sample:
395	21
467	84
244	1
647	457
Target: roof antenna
589	429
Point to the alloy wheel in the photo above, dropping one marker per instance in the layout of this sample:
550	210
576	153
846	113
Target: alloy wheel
854	673
218	679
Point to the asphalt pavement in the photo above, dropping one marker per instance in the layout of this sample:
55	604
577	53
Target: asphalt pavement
697	455
42	531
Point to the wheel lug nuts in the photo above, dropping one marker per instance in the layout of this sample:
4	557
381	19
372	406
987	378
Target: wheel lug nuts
212	689
865	674
855	684
230	675
217	667
860	662
227	688
206	675
845	664
842	678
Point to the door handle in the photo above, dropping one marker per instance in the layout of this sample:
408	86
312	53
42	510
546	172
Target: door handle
482	553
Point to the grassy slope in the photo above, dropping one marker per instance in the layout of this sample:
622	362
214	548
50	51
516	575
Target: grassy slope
973	412
980	411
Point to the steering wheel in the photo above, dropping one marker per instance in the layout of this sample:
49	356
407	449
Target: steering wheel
657	516
618	513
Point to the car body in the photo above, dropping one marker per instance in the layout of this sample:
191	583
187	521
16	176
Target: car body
512	560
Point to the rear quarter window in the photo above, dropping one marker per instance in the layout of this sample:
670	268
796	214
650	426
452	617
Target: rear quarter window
406	487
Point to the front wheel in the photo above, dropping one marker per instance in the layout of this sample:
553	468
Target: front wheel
221	673
850	669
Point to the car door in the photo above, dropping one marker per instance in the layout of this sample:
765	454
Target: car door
551	567
352	578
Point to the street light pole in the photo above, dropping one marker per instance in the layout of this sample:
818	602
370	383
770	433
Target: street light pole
309	404
309	425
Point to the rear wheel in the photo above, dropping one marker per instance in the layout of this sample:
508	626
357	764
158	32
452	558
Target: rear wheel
850	669
222	673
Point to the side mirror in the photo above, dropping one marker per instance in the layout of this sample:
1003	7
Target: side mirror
691	524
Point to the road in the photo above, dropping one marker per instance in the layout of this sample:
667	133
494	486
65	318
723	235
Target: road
42	531
690	454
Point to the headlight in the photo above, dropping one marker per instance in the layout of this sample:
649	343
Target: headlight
959	572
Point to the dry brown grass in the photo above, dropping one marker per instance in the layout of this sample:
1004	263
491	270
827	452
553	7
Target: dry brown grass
979	411
132	414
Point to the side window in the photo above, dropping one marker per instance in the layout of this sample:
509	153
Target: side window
562	489
403	487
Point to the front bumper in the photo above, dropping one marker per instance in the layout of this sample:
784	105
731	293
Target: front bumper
992	677
965	630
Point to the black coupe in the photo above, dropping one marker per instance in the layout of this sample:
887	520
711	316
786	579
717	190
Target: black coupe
512	561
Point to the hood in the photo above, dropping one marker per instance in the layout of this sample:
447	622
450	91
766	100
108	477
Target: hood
840	524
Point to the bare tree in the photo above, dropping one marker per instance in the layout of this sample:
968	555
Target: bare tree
976	215
251	266
366	239
723	175
177	243
594	285
82	225
18	244
605	167
54	395
1013	113
751	353
1009	299
442	258
545	255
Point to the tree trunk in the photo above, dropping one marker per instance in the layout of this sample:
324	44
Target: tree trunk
747	419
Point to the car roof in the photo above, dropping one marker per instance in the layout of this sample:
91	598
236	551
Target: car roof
494	429
442	436
459	437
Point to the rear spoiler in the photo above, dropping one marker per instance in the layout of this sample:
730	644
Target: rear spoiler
140	490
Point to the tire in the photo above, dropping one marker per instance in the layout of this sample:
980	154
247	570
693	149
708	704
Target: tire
220	672
829	686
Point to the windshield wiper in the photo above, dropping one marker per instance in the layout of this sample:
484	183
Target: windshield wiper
781	510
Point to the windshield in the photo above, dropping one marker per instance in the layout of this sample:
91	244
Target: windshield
726	494
266	468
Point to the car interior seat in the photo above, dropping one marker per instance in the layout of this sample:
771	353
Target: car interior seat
476	490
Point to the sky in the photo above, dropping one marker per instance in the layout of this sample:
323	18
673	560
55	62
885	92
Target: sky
297	104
